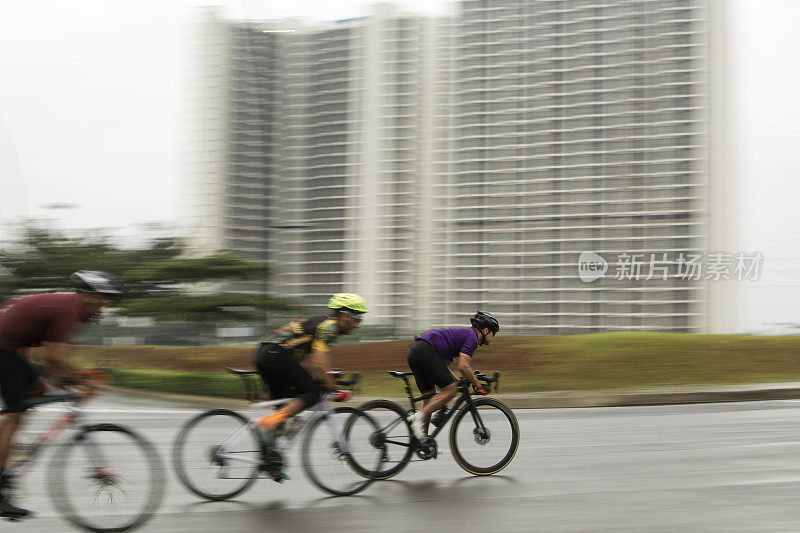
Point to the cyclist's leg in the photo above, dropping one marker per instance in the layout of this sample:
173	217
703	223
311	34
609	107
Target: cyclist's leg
430	371
433	404
305	389
17	379
285	377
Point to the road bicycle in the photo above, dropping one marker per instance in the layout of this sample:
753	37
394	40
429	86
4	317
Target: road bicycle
484	434
220	453
105	477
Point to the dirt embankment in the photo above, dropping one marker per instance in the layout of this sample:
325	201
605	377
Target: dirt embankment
528	364
503	354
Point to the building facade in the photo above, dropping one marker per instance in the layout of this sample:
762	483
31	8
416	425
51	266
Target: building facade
356	168
442	165
579	127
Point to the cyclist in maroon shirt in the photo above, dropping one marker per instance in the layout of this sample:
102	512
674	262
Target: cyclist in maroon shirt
431	352
41	324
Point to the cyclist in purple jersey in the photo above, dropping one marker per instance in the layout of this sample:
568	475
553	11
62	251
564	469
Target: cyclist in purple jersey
450	342
431	352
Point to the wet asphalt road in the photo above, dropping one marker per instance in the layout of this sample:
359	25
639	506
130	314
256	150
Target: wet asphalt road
693	468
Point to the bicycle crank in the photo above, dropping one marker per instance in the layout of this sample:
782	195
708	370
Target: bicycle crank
427	449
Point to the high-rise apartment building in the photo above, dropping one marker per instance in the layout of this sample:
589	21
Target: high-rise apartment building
579	126
356	168
314	153
443	165
232	156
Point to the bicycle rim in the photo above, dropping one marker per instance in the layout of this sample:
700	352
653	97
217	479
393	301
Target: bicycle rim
328	464
394	437
209	469
106	478
482	452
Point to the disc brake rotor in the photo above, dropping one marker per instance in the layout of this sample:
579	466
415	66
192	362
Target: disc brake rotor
482	436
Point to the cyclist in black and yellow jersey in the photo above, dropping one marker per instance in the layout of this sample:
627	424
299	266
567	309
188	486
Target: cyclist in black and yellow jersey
294	360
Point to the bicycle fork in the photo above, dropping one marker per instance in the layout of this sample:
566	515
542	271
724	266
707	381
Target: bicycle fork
101	471
481	432
339	448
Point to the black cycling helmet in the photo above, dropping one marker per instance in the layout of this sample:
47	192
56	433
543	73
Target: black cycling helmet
96	281
485	320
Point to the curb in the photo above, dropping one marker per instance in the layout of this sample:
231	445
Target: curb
557	399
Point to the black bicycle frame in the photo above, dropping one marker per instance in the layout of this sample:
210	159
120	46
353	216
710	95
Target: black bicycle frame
464	397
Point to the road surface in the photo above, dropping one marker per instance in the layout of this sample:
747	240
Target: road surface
689	468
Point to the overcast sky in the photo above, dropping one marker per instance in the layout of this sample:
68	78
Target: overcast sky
91	109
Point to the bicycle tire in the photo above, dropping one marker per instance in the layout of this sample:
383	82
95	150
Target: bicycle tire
189	457
397	455
496	416
93	443
323	459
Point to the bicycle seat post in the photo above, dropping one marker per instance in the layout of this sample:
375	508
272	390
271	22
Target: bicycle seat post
407	388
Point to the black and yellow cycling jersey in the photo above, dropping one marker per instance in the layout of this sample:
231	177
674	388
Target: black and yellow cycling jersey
303	335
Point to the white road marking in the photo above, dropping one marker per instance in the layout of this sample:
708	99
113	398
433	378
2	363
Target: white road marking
128	411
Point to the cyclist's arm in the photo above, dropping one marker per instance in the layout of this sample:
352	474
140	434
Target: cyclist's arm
318	364
466	370
54	355
320	357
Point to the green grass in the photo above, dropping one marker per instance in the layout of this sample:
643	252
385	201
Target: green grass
527	364
613	360
199	383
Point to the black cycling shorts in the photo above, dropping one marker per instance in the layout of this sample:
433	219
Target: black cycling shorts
17	376
284	376
428	367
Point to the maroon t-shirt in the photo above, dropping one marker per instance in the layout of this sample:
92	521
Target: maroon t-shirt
30	320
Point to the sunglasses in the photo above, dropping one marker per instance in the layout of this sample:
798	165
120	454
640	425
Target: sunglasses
357	318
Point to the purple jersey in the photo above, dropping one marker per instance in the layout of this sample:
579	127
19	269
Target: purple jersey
449	342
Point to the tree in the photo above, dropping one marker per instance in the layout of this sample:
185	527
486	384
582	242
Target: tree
160	283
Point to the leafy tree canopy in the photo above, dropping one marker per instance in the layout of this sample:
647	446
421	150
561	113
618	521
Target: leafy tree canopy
160	282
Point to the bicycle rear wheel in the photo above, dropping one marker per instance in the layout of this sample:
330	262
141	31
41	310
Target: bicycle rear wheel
393	437
484	450
338	456
106	478
216	455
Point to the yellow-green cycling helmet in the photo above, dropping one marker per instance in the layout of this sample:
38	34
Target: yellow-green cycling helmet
353	302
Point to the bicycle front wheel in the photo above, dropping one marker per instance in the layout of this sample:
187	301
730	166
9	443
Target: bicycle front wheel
338	455
487	447
106	478
216	455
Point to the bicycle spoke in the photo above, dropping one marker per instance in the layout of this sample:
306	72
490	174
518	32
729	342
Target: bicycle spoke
216	455
337	454
394	437
488	446
106	478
